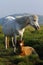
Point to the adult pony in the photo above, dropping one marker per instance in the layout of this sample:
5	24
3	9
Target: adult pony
16	25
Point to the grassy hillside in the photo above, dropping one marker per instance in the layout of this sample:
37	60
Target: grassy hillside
35	39
31	38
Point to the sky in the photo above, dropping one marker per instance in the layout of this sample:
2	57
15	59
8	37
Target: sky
9	7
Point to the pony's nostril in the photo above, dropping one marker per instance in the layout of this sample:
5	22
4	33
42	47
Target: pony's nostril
38	27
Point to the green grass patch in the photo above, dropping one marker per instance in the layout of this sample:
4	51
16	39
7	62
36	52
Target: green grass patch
31	38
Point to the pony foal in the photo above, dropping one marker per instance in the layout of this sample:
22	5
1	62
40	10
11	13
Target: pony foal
26	50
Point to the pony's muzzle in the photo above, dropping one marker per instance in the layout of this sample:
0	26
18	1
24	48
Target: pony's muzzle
38	27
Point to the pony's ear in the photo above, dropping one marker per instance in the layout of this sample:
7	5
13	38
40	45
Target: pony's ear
35	17
22	41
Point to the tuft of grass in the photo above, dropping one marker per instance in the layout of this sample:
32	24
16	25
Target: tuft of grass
31	38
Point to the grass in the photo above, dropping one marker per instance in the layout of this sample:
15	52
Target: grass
31	38
33	35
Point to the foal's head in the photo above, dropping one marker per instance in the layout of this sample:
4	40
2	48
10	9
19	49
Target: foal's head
20	43
19	46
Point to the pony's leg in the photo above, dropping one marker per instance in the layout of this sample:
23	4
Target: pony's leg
21	37
15	40
6	42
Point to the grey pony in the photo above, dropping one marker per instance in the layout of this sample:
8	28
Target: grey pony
16	26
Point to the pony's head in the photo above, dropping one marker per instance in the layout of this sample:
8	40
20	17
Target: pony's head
34	21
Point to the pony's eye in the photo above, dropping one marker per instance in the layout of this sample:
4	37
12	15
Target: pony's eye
34	20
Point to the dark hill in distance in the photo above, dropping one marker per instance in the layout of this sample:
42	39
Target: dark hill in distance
40	19
2	20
